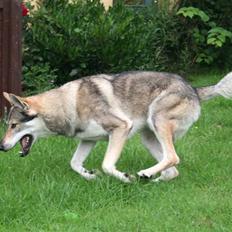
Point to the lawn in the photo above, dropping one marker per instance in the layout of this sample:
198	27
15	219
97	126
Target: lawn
42	193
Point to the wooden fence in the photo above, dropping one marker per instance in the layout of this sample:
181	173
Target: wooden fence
10	49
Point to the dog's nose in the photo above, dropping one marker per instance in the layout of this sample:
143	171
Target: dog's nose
2	147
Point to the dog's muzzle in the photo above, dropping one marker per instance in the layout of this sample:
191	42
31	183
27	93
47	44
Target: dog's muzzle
2	148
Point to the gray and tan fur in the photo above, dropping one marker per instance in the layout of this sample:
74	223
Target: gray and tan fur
161	106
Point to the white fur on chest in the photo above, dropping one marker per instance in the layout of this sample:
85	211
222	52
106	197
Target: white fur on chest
93	131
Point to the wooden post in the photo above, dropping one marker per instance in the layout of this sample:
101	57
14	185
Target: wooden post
10	49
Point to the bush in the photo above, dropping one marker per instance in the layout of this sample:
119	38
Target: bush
38	78
207	38
212	38
81	39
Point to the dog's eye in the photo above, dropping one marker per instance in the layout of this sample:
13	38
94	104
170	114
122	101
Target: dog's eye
13	125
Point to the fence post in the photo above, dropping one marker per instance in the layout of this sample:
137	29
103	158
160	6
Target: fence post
10	49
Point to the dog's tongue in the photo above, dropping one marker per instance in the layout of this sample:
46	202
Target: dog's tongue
25	143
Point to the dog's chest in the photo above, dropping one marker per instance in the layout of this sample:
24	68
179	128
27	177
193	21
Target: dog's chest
93	131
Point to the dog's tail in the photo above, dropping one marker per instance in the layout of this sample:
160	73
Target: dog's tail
222	88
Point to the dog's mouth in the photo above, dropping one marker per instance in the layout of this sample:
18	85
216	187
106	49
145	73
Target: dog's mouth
26	142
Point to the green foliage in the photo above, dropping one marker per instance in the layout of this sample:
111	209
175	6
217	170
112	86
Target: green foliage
193	11
169	50
204	33
38	78
217	36
218	11
204	58
81	39
216	32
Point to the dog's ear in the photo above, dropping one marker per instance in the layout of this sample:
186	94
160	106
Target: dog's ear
16	101
20	102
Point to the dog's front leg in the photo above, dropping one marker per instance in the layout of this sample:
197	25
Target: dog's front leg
80	156
117	140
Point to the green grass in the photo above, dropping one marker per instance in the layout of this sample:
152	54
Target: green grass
42	193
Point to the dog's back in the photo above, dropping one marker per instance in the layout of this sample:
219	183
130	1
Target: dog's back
137	90
133	91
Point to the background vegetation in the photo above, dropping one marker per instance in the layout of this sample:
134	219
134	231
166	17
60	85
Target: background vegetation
68	41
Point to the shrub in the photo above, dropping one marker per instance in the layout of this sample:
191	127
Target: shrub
215	34
207	38
80	39
38	78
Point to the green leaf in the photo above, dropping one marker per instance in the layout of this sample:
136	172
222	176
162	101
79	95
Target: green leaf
212	24
211	41
193	11
199	60
77	30
222	38
218	43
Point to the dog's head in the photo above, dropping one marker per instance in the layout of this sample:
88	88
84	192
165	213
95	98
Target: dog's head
24	125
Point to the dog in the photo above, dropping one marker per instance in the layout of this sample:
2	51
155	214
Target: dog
161	106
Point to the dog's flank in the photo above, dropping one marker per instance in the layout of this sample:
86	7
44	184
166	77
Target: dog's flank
161	106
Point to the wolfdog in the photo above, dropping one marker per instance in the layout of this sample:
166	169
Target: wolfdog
161	106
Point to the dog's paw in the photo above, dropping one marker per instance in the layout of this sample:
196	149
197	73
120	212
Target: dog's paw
144	175
88	175
167	175
160	179
127	178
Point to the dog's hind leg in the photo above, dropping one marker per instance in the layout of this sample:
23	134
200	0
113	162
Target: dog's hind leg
80	156
153	145
170	116
164	133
